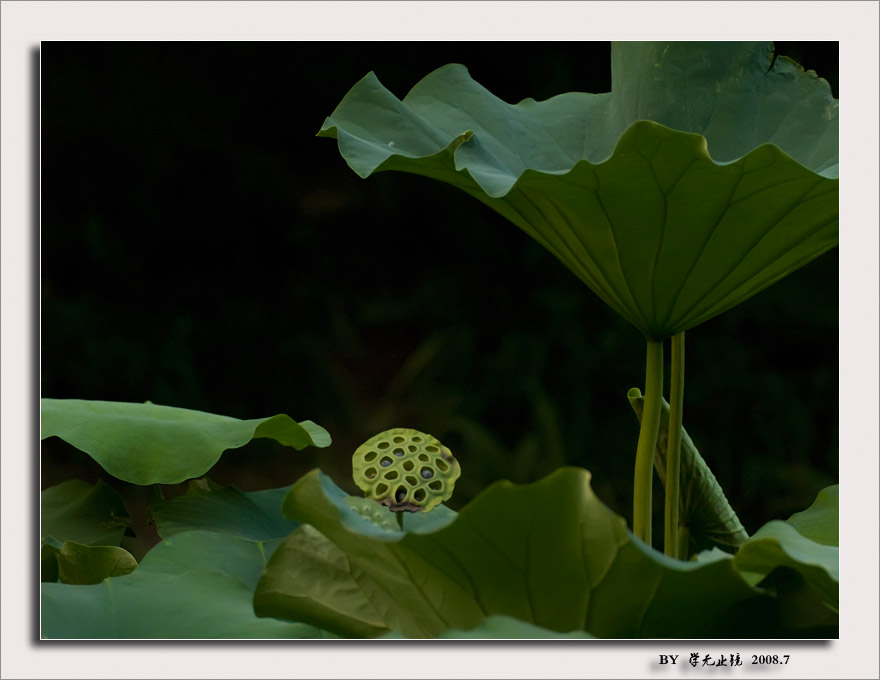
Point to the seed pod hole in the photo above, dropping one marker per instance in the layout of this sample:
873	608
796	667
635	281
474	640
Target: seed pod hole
385	462
390	475
417	439
383	445
400	495
399	440
381	489
370	456
398	452
424	457
426	473
370	473
408	465
412	481
432	448
412	449
419	495
441	465
436	485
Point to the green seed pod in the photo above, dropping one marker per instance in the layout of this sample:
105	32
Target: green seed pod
405	469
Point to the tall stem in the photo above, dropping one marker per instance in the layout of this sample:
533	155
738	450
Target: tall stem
671	538
644	472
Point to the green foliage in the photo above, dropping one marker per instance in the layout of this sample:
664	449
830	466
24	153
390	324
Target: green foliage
81	529
807	543
92	514
515	552
196	584
87	564
664	233
672	214
151	444
254	515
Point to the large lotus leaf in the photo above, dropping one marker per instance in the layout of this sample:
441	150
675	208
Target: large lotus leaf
150	444
704	509
193	585
548	554
253	515
708	172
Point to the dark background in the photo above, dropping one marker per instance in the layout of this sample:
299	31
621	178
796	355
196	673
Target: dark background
201	248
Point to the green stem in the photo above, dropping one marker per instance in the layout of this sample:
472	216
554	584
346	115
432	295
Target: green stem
399	519
644	472
671	540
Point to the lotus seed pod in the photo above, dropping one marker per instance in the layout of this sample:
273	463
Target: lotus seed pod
405	469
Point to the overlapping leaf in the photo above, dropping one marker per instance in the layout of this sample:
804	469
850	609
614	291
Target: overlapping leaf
708	172
511	552
253	515
150	444
81	527
194	585
806	543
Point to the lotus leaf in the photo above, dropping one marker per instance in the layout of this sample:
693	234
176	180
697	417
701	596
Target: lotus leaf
510	552
192	585
807	543
152	444
707	173
253	515
92	514
87	564
81	528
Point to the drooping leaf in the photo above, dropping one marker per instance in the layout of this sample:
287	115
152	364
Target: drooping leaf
708	172
193	585
253	515
152	444
513	551
80	564
502	628
704	509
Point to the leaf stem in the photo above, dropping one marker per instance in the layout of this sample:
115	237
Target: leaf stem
644	470
399	519
671	539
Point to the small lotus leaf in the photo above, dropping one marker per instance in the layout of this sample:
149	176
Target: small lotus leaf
87	564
